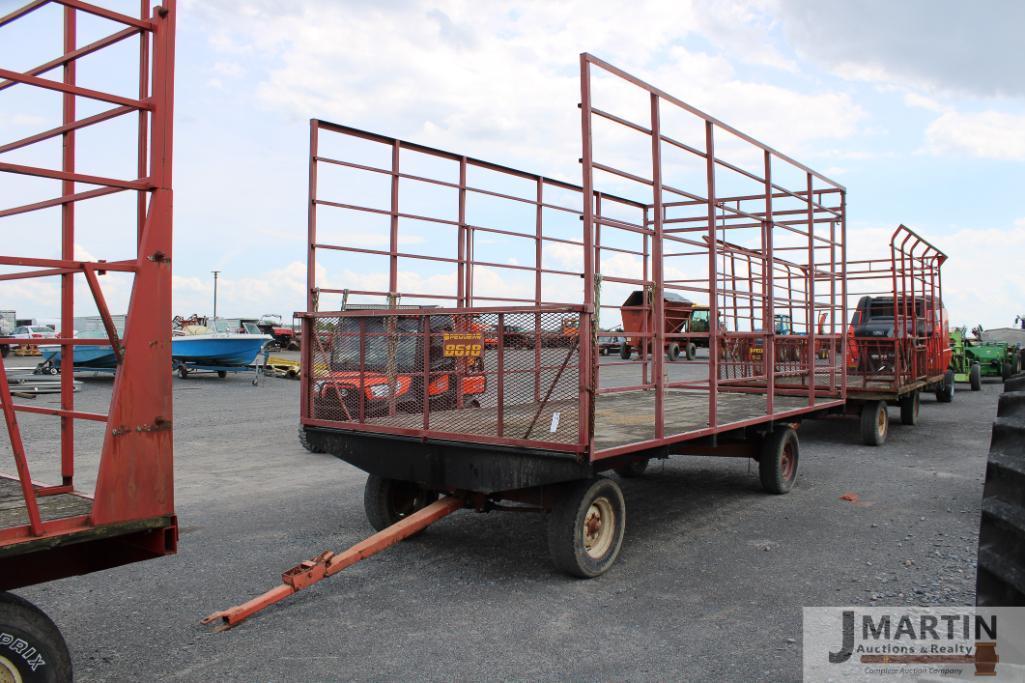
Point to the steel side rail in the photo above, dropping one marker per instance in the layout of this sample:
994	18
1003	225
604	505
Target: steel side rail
328	563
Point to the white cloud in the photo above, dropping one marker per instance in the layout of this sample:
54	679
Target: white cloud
988	135
229	69
943	45
433	78
919	101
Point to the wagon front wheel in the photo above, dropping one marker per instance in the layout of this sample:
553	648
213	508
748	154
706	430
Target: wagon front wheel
692	351
386	501
585	527
975	377
875	423
945	392
624	351
41	655
777	463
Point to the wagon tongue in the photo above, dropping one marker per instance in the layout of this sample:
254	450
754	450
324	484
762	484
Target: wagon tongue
309	572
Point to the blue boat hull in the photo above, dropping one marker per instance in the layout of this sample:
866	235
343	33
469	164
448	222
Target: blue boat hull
85	357
234	351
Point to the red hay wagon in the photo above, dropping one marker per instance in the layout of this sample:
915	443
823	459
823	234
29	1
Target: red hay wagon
898	338
54	530
690	207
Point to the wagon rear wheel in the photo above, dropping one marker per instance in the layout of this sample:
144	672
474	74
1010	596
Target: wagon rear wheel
945	391
909	406
778	461
692	351
875	423
386	501
585	527
673	352
43	657
624	351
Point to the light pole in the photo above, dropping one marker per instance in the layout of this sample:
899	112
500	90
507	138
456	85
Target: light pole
216	273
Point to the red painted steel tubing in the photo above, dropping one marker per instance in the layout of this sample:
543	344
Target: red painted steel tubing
328	563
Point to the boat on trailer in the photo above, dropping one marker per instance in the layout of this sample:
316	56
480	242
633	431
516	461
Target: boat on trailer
226	346
86	357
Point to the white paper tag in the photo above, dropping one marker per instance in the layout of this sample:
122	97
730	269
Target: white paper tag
555	422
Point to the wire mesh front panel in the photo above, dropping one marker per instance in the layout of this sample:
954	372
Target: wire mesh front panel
492	376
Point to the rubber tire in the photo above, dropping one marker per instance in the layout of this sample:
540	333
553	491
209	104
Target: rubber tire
23	620
379	504
1006	371
909	409
183	372
871	434
632	469
222	373
305	442
692	351
565	526
5	350
770	460
975	377
945	392
624	352
673	352
1000	579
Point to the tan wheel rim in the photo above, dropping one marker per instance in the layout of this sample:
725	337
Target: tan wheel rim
8	674
599	527
882	421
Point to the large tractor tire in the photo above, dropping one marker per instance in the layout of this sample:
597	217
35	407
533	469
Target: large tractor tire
1001	573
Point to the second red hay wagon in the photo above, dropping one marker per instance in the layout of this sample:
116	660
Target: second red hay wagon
551	419
897	340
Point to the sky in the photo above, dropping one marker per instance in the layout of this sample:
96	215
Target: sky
917	107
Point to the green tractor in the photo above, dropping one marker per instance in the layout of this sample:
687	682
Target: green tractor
974	359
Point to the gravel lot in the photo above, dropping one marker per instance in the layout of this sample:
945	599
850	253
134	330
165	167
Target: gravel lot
709	585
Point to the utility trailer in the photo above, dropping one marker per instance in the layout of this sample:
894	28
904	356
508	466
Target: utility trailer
512	250
898	344
54	530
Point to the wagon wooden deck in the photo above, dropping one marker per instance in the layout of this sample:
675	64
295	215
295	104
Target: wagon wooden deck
620	418
12	505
